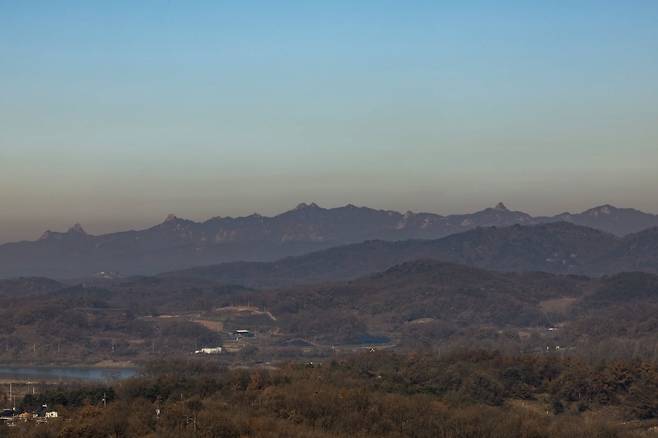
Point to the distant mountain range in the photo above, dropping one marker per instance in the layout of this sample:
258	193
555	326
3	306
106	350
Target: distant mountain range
560	248
179	243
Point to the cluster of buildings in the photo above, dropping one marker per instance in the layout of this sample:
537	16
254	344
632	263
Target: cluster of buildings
41	415
237	334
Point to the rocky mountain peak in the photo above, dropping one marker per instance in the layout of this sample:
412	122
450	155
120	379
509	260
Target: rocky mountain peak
77	229
305	206
501	206
46	235
601	210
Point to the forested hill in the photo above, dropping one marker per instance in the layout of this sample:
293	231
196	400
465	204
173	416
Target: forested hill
555	247
412	304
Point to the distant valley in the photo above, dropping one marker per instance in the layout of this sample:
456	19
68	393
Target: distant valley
410	305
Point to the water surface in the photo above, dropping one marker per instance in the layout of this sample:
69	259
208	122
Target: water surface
22	373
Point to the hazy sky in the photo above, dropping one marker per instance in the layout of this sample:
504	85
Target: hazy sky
116	113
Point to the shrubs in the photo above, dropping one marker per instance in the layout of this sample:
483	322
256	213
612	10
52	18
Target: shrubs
460	395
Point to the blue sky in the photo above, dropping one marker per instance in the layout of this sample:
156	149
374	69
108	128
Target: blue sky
117	113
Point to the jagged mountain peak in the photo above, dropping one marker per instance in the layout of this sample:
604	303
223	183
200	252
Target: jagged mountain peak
182	243
77	229
305	206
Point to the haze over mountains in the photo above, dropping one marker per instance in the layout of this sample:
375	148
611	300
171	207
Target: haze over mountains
560	248
477	285
179	243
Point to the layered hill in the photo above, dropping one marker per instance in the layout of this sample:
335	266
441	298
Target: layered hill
425	302
444	297
179	243
421	301
553	247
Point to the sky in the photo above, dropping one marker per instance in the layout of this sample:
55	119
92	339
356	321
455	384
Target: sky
114	114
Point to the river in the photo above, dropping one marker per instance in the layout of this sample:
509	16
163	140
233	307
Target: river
54	374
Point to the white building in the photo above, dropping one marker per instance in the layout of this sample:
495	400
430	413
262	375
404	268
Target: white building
210	350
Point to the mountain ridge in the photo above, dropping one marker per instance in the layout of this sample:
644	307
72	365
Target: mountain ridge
559	248
180	243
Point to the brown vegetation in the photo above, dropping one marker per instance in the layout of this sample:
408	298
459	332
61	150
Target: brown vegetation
463	394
